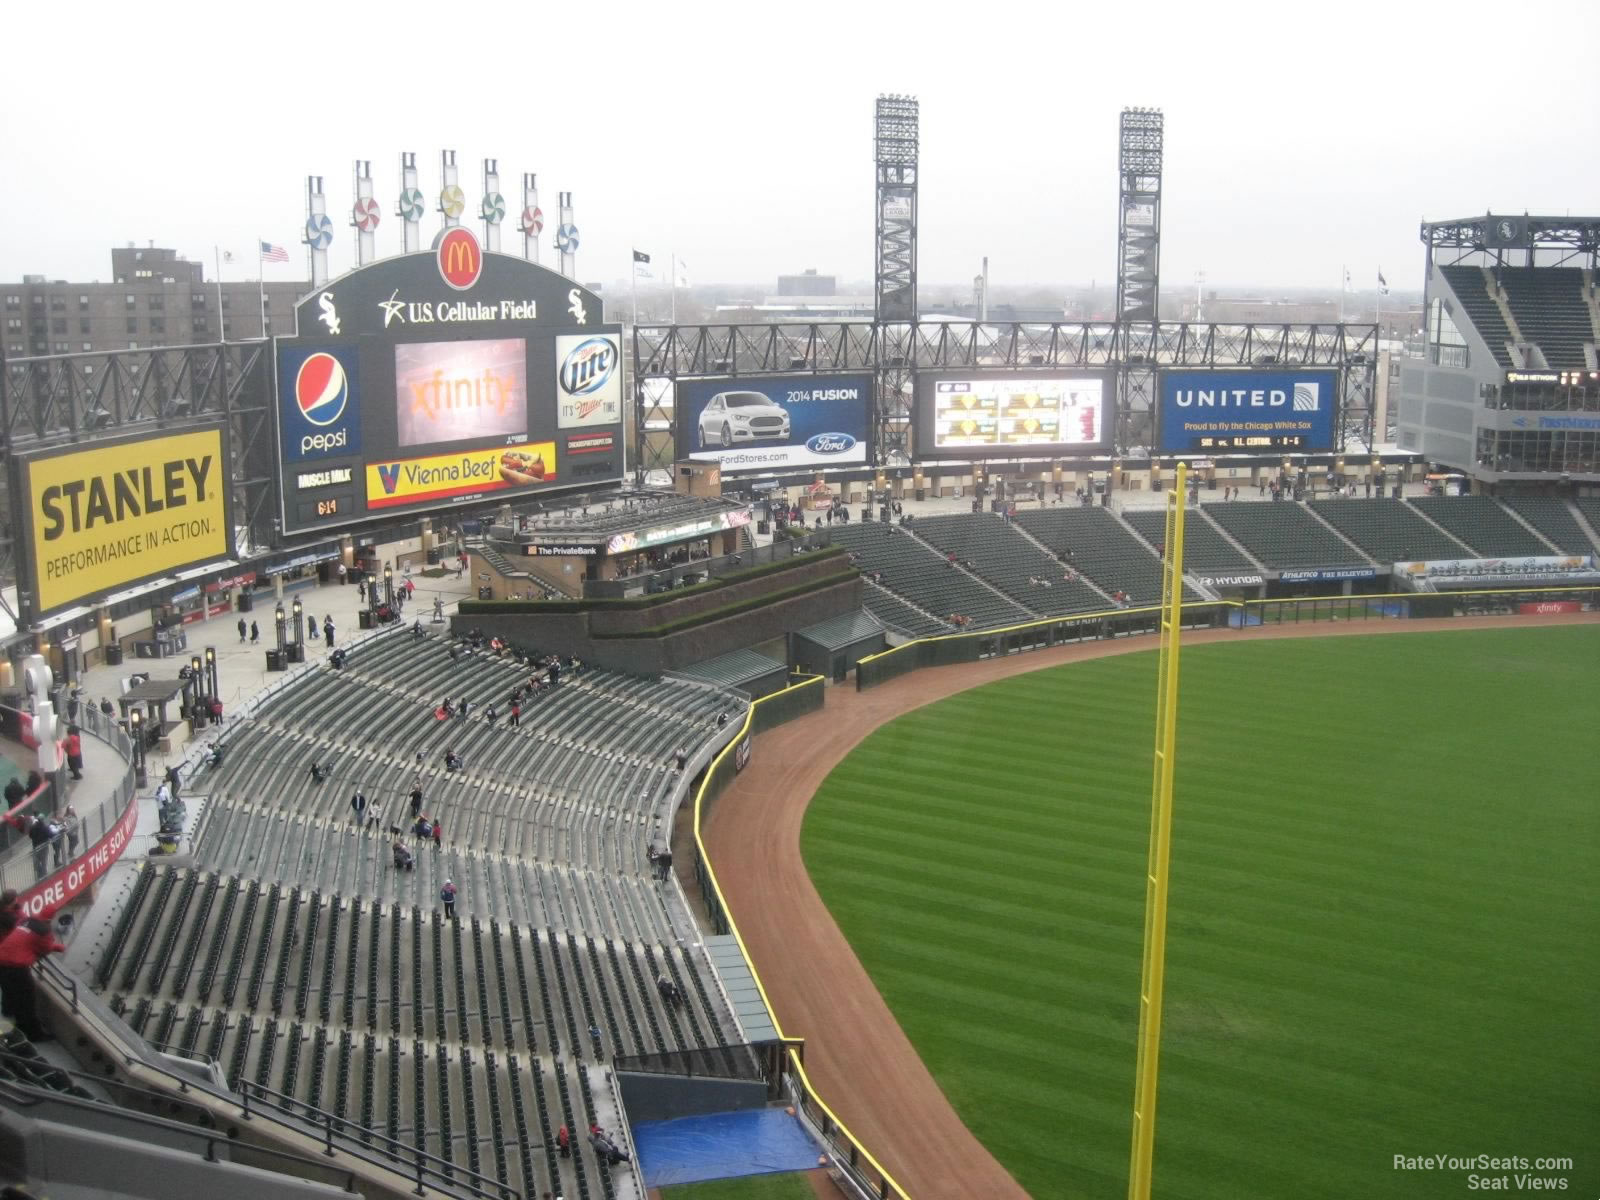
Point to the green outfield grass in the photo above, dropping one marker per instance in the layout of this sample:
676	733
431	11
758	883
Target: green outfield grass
752	1187
1383	936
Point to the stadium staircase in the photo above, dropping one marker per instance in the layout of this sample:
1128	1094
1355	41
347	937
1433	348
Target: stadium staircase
1207	547
900	614
1557	521
1485	308
511	571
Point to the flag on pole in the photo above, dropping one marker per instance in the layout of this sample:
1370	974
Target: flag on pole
641	265
227	256
271	253
1347	277
1383	284
680	273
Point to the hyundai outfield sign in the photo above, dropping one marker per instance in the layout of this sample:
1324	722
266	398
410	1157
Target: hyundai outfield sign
1247	411
775	422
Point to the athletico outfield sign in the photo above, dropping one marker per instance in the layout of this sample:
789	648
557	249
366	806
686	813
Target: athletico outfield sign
101	519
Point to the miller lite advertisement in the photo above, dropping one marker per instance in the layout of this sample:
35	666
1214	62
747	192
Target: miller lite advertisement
588	381
444	377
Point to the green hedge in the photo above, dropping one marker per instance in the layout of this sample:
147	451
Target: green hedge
734	609
630	603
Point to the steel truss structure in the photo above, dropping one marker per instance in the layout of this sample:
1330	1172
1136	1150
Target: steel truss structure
895	142
60	401
663	354
1140	137
1559	240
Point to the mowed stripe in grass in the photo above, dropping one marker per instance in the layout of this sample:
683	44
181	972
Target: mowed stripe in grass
1382	936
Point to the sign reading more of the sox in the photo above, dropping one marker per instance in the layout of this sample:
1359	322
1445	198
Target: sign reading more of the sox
444	377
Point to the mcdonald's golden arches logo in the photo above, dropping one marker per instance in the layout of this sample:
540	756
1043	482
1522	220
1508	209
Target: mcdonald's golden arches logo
460	259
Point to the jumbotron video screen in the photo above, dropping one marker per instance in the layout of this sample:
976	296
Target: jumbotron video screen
1008	414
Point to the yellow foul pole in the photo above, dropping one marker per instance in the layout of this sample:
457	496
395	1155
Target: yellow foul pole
1155	905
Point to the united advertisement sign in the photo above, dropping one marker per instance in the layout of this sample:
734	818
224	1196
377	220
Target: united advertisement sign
102	519
442	376
1245	412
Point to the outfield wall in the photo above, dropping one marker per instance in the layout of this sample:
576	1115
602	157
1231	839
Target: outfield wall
1209	614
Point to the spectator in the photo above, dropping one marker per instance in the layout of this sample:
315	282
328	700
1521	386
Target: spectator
14	793
516	713
319	772
242	631
106	707
599	1056
403	858
448	894
327	630
27	943
416	799
438	834
71	827
174	780
681	758
311	626
564	1142
722	718
255	633
358	805
39	835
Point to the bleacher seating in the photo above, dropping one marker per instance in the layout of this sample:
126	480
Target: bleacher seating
1589	506
300	957
1001	555
1388	531
1095	543
1471	286
897	614
1205	549
1482	524
1283	535
914	570
1553	518
1548	305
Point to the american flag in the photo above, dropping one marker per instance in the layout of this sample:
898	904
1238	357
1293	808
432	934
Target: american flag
271	253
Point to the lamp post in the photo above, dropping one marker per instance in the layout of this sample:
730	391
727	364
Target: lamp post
197	678
388	584
280	619
214	685
299	623
136	732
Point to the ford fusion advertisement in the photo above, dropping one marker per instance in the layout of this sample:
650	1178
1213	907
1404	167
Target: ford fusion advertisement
1005	414
775	422
1211	411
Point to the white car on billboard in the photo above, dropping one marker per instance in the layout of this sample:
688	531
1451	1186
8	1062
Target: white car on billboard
733	417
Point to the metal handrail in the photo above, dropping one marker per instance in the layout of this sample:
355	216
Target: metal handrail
289	1105
386	1159
20	1093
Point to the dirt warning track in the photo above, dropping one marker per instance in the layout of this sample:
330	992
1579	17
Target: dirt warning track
864	1067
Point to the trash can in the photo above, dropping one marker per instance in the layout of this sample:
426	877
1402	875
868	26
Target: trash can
274	660
763	527
921	494
247	599
364	618
294	652
113	654
486	593
433	556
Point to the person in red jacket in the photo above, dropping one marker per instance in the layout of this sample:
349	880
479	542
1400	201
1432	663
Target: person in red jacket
74	749
24	946
564	1142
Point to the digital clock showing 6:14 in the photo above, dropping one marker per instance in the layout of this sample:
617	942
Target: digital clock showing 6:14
328	508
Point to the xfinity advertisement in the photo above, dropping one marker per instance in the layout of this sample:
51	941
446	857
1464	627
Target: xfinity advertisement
1247	411
775	422
461	391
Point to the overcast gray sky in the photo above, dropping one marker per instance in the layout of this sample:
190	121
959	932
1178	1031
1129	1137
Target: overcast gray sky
1299	137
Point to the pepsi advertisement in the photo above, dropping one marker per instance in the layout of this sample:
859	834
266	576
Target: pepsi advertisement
444	378
1209	412
775	423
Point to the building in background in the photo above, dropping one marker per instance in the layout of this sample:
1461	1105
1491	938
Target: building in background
807	284
156	298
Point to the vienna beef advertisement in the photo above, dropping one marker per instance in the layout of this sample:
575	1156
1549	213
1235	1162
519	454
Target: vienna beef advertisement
102	519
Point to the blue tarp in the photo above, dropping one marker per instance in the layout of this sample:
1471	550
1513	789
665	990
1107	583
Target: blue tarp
1238	619
722	1146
